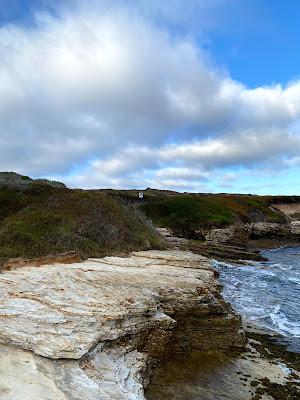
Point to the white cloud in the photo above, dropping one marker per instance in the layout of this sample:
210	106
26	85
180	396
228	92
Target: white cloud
192	164
109	85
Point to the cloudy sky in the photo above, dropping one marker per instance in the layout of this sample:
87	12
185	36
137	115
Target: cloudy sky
194	95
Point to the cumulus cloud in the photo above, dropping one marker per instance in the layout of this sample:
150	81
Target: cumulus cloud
192	165
109	93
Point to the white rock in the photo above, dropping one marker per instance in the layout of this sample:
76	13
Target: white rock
102	322
110	375
61	311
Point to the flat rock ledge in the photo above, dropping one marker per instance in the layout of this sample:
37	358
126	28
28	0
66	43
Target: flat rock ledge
94	330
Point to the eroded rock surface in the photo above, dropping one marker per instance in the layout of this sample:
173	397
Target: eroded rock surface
104	322
267	229
63	258
112	374
235	235
295	227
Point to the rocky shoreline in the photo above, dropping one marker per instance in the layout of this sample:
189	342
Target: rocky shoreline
265	370
96	329
240	242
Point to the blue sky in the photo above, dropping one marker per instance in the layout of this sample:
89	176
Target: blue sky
261	45
203	96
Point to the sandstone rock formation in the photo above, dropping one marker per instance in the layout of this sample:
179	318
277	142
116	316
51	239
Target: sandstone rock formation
295	227
288	209
63	258
173	241
226	252
234	239
103	323
269	229
234	235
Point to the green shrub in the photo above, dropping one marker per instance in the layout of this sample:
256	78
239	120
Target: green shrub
186	214
44	220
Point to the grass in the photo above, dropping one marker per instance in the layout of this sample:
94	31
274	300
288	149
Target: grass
188	213
41	220
185	214
44	220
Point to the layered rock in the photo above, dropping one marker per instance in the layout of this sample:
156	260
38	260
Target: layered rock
107	374
172	240
112	318
289	209
226	252
295	227
232	242
69	257
269	229
234	235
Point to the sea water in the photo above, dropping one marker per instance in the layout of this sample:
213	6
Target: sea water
267	293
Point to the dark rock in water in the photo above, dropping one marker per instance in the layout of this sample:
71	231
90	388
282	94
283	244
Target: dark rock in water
219	244
264	369
14	181
225	252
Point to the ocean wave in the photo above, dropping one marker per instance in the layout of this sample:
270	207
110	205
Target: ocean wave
267	293
294	280
283	325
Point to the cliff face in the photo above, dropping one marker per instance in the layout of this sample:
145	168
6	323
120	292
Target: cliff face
291	210
102	324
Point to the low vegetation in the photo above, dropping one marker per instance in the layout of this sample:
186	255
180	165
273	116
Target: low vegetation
187	213
44	220
40	217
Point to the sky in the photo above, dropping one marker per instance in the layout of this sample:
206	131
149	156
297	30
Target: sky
198	95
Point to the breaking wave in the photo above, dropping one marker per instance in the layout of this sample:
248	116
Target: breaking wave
267	293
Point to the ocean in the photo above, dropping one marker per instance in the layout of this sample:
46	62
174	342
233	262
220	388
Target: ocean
267	294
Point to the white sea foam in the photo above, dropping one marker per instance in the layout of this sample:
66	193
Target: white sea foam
294	280
285	326
267	293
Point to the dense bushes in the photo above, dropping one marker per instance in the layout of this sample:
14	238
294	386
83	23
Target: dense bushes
187	214
43	220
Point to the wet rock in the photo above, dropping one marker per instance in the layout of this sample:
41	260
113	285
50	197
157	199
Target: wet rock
226	253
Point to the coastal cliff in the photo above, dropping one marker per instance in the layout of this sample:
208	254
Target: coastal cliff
96	329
